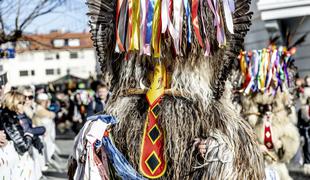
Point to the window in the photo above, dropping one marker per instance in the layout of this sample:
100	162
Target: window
74	42
32	73
49	71
58	71
57	56
66	42
49	56
59	42
23	73
73	55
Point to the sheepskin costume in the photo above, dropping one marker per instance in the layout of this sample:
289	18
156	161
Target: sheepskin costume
284	133
269	107
193	105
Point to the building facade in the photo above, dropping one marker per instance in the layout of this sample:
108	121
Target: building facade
279	18
43	58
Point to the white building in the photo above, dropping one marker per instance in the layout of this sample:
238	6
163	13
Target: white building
43	58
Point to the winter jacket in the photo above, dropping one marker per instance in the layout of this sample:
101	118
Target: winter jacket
94	107
9	122
26	123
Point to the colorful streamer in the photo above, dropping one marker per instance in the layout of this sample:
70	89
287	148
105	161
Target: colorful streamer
156	30
264	70
139	24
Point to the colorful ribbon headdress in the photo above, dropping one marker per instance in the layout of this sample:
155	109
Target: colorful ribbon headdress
265	70
140	24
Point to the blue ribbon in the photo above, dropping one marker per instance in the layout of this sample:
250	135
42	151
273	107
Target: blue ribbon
149	21
116	158
121	165
188	18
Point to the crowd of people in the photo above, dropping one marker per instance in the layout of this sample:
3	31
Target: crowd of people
29	119
303	114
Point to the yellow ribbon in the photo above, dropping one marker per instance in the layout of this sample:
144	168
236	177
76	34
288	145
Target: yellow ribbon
158	83
243	63
263	70
156	38
135	33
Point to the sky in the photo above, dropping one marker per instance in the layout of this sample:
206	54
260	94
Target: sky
70	17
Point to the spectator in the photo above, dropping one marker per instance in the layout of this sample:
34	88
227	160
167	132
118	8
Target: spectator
98	104
44	117
79	101
26	123
17	162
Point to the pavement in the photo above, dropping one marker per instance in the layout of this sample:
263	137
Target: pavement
297	173
65	144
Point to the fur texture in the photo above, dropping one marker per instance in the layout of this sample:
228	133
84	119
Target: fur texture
285	135
183	120
205	111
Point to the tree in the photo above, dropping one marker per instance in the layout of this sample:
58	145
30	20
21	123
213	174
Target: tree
16	15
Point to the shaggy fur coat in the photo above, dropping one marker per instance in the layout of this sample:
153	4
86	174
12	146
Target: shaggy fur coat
201	111
285	135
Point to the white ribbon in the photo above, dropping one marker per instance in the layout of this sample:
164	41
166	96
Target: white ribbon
177	19
228	16
271	66
232	5
142	24
164	15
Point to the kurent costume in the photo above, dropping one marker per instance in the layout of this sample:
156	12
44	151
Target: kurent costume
267	104
167	63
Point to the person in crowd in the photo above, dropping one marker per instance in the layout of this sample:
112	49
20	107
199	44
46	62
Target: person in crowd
44	117
30	105
79	101
26	123
304	126
97	105
63	119
15	153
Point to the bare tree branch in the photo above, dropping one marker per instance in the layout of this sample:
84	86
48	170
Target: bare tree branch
14	19
39	10
17	15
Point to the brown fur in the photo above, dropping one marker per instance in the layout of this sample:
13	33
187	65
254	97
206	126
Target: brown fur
183	120
205	113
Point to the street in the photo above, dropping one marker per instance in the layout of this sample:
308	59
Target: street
65	144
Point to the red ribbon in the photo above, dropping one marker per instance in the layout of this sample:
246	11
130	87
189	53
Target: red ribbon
129	29
195	4
118	40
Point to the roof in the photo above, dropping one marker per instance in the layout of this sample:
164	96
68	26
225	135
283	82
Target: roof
67	78
32	42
